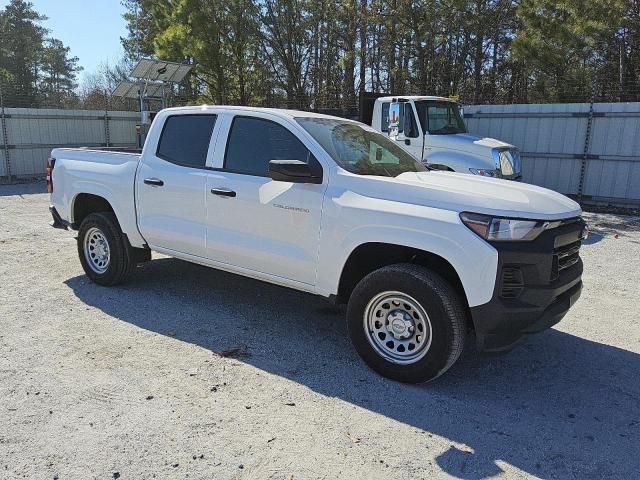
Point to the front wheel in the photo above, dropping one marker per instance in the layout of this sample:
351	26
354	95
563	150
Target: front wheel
105	255
407	323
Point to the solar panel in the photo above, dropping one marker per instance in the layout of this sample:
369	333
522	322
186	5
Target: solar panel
160	70
126	89
129	89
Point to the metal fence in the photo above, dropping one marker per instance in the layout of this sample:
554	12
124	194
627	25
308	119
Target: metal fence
28	135
591	151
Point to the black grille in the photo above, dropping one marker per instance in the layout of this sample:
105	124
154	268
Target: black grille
512	282
564	257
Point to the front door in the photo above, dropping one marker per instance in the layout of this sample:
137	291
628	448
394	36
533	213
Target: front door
253	222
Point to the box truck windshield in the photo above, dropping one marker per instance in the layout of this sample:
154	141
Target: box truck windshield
440	118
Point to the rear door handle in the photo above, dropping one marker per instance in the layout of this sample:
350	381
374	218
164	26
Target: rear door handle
223	192
156	182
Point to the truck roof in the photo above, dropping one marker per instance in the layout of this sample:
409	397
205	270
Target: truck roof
235	108
390	98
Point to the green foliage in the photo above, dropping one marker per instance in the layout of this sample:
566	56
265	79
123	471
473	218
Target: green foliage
58	72
563	43
33	69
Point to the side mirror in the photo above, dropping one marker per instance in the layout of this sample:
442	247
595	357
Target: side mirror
295	171
394	119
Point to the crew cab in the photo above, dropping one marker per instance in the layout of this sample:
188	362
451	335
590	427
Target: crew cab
432	129
330	206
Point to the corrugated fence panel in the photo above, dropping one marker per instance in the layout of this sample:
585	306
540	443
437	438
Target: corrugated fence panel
616	141
32	133
552	137
122	128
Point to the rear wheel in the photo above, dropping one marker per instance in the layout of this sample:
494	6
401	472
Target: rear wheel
407	323
105	255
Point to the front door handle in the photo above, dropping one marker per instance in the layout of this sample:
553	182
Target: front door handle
223	192
156	182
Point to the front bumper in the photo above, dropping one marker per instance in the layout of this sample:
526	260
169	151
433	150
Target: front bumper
516	178
537	295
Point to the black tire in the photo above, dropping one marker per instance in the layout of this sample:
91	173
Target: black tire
121	254
435	296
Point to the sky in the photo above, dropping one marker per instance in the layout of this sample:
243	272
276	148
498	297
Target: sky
91	28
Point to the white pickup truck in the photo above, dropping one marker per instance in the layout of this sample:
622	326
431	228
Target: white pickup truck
433	131
331	207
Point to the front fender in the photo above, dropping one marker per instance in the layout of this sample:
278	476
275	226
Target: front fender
435	231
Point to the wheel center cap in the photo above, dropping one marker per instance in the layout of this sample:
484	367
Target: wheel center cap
398	326
100	250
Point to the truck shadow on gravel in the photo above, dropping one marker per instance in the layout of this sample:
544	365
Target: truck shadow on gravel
558	406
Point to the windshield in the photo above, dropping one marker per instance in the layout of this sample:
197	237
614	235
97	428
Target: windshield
358	149
440	118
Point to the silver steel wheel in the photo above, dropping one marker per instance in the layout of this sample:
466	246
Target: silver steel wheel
397	327
96	250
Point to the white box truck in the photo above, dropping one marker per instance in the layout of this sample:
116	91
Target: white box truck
432	129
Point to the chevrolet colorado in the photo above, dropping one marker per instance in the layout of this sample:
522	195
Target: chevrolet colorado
331	207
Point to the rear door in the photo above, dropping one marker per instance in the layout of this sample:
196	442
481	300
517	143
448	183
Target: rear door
171	185
255	223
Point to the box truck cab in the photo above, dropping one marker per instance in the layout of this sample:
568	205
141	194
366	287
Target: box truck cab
432	129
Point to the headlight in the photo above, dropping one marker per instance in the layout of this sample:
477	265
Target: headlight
496	229
484	173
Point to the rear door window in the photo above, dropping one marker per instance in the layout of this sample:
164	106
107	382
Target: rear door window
185	139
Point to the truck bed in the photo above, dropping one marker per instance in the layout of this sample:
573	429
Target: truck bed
115	149
107	173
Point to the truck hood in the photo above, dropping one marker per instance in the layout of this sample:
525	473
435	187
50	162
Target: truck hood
466	142
469	193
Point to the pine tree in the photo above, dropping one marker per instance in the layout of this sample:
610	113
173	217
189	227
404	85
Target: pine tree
58	72
21	44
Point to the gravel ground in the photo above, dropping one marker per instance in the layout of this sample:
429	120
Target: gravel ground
128	382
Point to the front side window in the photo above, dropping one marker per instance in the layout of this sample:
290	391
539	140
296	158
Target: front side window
385	117
410	126
360	149
254	142
185	139
440	118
